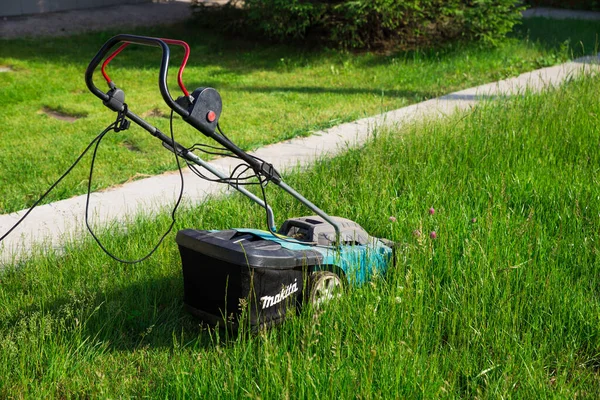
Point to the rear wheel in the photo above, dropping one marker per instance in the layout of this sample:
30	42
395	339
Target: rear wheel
325	286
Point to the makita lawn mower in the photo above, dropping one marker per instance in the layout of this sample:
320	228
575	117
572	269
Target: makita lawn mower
266	273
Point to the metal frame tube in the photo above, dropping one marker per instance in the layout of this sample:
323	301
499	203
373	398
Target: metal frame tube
188	155
197	160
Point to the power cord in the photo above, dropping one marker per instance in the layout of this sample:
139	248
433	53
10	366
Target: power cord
173	220
120	124
42	197
261	180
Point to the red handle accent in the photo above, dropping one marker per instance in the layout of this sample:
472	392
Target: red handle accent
186	56
109	59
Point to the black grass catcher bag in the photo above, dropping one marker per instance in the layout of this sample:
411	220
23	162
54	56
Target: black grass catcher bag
232	273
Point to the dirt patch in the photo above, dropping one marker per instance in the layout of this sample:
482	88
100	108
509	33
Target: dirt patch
6	68
137	177
155	112
60	115
130	146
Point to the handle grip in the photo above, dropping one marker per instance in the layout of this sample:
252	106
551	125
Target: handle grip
162	75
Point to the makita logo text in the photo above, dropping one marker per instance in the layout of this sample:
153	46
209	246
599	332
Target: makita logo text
286	291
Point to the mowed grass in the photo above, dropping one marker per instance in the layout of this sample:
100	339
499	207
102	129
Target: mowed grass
504	303
270	93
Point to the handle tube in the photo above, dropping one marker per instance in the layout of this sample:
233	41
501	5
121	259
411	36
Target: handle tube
162	75
162	85
184	61
314	208
181	151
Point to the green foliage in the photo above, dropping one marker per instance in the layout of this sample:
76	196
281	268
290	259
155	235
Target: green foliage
373	23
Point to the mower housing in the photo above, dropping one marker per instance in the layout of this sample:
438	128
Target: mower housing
232	273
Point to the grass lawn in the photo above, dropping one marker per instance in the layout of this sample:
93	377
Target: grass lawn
504	303
270	93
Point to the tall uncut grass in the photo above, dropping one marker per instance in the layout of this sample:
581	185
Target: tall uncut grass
503	303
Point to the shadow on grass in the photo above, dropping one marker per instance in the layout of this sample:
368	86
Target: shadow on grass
577	37
408	94
208	49
342	91
588	59
147	314
243	55
474	97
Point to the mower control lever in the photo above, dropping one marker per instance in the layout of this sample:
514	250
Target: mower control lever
162	76
204	110
116	99
184	61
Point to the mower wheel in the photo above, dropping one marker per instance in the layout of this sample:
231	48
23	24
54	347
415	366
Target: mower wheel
324	287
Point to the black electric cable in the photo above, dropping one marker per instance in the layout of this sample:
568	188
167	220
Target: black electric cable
229	180
212	153
235	179
173	220
222	133
263	181
96	139
200	146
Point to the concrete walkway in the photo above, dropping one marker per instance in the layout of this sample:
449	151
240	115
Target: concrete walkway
97	19
54	223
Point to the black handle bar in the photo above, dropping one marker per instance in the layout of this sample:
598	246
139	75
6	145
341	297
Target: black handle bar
191	116
162	76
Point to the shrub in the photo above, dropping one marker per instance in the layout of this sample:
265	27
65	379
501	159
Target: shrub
373	23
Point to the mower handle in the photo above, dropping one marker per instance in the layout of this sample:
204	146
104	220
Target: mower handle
186	56
257	165
196	120
162	75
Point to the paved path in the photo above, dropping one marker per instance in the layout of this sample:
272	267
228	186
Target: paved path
96	19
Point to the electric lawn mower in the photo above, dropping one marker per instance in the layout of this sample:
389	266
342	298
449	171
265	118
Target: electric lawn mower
308	259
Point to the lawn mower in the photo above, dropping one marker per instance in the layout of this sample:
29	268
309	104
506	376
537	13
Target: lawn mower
261	274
